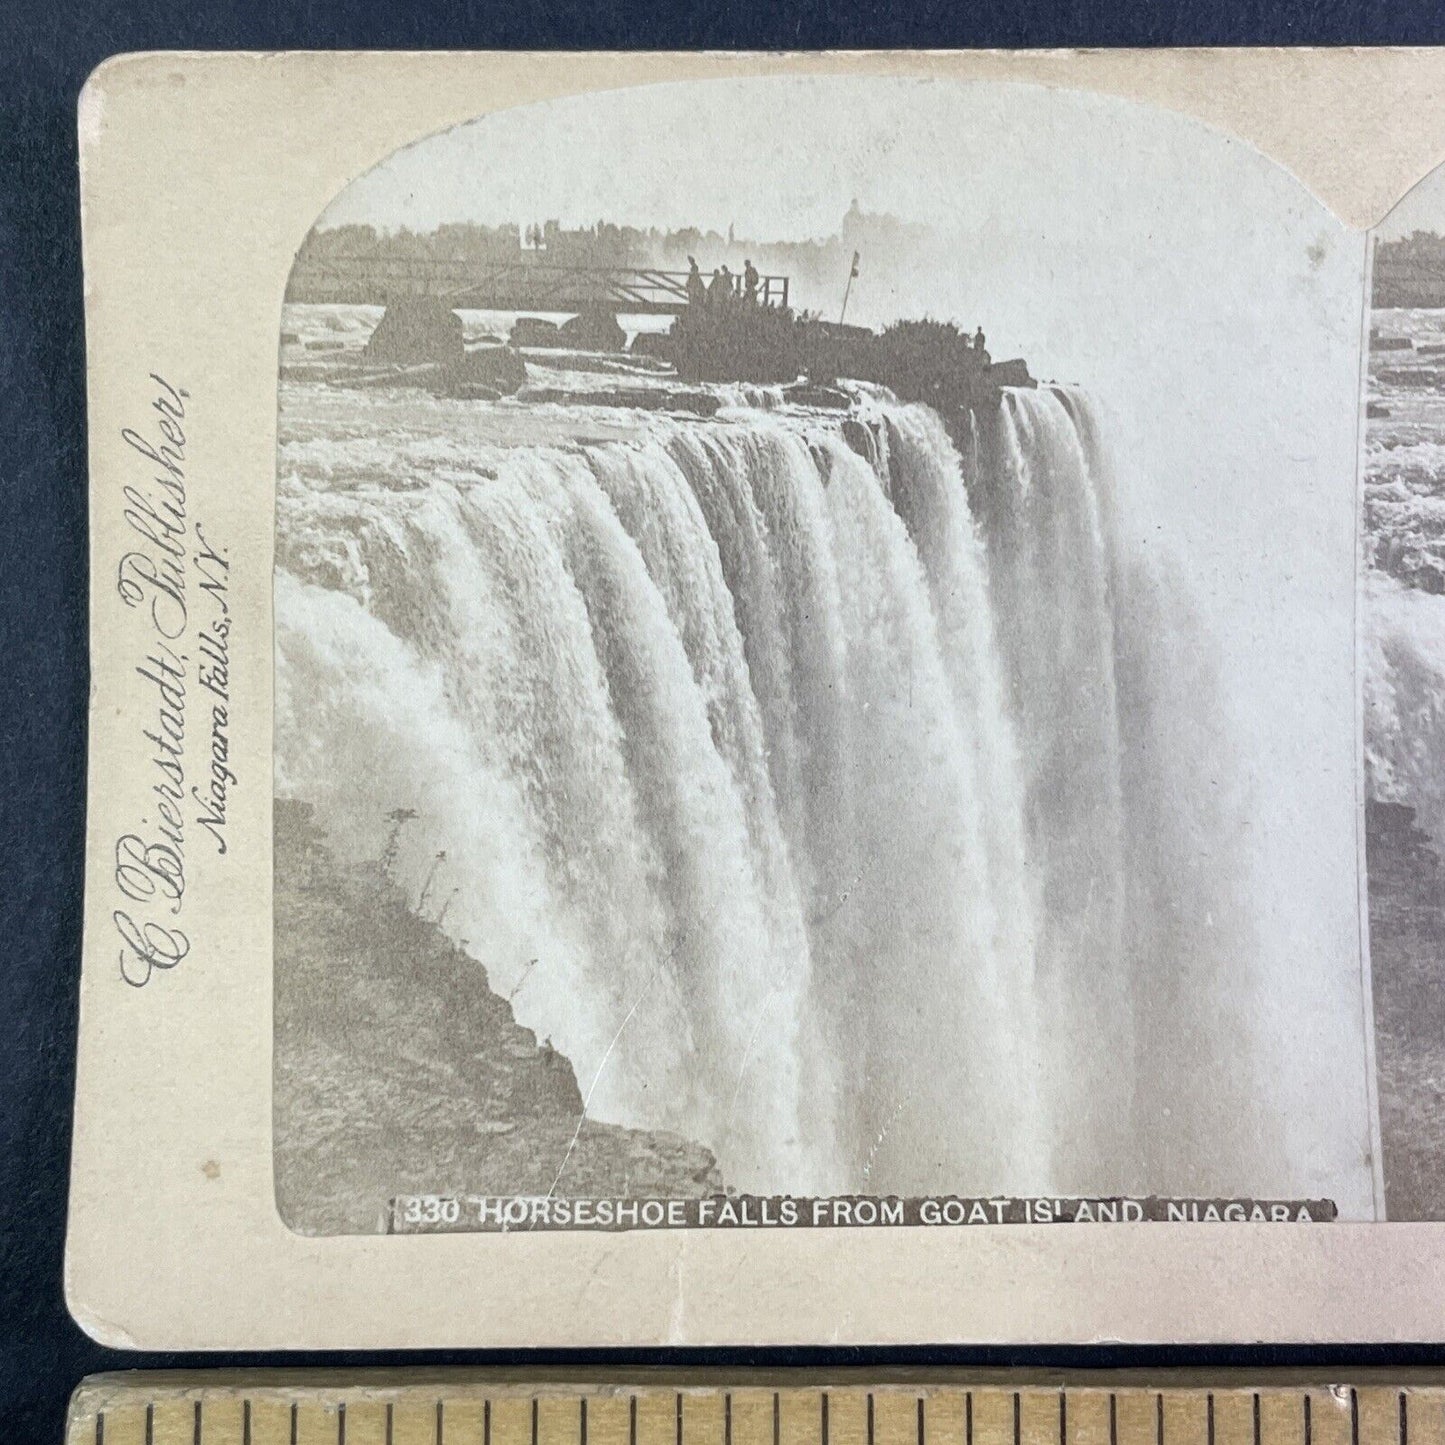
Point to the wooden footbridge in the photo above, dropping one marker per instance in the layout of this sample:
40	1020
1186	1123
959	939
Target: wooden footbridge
504	286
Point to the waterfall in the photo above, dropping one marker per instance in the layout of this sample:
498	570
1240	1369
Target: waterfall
802	779
1404	687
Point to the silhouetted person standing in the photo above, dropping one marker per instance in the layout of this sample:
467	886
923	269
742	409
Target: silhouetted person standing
717	288
750	283
696	286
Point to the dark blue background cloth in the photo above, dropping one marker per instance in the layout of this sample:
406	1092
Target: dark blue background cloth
46	51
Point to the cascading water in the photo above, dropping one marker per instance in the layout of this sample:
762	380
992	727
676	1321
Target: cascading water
1403	604
802	779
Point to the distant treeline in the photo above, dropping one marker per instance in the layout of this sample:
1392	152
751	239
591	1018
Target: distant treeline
818	268
603	244
1410	271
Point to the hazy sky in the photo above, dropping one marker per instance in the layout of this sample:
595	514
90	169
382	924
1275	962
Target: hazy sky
1206	300
698	154
1422	209
1061	216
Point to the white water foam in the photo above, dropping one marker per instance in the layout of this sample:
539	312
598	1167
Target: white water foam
831	804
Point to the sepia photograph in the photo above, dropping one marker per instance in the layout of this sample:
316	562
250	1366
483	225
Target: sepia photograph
815	659
1402	612
763	699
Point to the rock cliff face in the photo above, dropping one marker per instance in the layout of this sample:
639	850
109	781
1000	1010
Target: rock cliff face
398	1071
1407	953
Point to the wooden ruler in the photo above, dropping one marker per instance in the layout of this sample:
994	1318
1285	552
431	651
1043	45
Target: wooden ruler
412	1408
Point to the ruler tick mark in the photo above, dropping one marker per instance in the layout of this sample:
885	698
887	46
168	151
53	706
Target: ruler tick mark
143	1422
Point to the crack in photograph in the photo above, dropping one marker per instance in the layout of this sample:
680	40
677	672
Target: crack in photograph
816	658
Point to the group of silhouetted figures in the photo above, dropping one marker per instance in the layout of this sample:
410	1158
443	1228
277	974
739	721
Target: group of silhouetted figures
725	288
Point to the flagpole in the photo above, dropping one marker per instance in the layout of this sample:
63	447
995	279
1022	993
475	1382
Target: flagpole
852	272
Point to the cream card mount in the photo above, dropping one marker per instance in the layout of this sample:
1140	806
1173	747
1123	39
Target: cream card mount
763	699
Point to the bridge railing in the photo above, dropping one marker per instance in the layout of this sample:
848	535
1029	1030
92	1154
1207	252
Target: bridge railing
505	286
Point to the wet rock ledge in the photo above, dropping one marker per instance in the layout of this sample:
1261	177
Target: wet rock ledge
399	1071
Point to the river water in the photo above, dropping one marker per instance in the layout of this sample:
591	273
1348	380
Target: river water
1404	605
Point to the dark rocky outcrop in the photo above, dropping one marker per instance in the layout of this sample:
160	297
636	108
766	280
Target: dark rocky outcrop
594	330
658	344
489	371
928	361
397	1070
699	403
1407	967
810	394
416	329
1424	378
1014	372
737	342
860	438
534	331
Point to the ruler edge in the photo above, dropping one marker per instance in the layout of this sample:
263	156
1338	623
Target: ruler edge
119	1388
